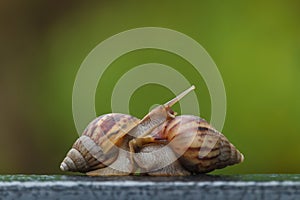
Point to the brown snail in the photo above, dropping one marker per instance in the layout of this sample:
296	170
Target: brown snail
198	146
120	144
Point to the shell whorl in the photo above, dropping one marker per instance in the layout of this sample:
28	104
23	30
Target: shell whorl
84	156
87	153
201	148
73	161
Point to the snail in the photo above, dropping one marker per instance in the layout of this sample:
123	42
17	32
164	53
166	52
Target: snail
159	144
198	146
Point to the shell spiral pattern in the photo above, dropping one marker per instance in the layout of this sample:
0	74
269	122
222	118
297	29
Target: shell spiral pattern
94	148
201	148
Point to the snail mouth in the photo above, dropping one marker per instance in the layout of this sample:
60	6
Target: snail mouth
171	114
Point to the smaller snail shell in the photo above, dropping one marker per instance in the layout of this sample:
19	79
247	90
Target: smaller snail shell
202	148
87	153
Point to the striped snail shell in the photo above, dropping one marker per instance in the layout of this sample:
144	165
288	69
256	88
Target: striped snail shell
91	150
201	147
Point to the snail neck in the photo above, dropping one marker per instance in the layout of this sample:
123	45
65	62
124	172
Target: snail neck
152	120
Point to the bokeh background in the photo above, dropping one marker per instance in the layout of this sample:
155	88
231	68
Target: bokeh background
255	44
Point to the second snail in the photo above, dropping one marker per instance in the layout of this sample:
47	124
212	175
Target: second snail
160	144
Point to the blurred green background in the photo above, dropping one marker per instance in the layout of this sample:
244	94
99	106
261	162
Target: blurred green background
255	44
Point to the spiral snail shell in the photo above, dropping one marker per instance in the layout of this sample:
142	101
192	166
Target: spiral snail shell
201	147
87	153
120	144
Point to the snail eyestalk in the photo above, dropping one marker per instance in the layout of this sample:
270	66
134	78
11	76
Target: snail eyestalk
178	97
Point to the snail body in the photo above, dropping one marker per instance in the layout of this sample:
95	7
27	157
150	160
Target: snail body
158	144
159	160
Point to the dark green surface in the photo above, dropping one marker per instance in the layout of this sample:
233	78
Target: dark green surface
209	187
200	178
